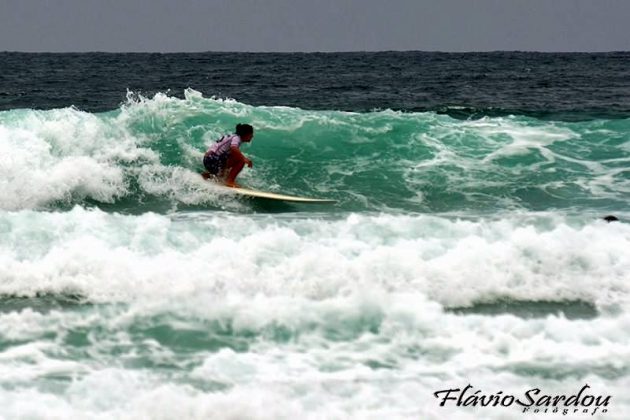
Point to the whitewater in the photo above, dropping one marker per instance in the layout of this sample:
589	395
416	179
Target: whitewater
461	251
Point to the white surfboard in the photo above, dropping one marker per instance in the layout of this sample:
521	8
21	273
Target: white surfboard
279	197
269	195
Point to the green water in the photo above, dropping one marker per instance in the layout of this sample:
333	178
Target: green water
147	152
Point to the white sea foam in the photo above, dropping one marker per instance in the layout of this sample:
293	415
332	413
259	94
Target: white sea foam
112	257
355	357
218	315
51	156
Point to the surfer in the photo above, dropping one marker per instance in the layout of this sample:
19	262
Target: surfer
224	159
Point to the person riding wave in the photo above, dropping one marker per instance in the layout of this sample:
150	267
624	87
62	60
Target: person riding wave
224	159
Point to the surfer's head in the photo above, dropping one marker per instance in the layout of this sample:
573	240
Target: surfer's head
245	132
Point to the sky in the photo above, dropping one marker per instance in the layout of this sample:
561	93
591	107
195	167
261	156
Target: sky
313	25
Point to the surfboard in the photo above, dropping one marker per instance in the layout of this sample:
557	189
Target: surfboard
279	197
247	192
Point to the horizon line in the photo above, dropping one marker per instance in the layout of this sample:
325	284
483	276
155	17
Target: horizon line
317	52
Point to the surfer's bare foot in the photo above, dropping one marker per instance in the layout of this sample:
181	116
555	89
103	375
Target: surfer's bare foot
232	184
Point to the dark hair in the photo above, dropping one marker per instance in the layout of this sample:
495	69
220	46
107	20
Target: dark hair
244	129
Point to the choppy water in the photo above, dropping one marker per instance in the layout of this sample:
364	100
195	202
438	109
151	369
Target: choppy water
467	245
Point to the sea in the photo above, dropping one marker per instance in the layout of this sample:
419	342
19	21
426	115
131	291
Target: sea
465	272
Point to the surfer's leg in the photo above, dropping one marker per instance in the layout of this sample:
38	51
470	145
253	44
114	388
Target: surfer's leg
234	166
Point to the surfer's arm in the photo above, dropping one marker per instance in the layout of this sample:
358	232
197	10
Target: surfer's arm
239	156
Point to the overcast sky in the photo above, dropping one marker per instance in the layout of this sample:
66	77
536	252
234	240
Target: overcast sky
314	25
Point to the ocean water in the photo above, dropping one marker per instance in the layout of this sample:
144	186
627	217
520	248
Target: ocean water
467	245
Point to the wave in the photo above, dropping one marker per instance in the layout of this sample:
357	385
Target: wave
146	155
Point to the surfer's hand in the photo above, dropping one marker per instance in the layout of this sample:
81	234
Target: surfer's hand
249	163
